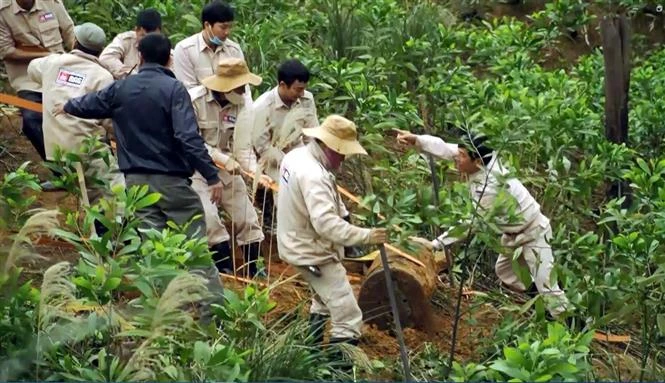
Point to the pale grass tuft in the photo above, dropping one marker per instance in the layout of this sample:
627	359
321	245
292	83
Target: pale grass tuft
42	222
291	128
57	293
183	290
170	315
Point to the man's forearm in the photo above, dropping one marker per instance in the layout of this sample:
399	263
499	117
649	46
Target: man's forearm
23	55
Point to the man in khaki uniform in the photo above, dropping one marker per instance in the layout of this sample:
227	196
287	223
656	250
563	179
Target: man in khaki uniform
31	29
220	113
66	76
489	181
272	139
122	57
198	56
312	233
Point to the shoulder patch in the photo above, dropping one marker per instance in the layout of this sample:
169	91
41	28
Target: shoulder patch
285	176
70	78
197	92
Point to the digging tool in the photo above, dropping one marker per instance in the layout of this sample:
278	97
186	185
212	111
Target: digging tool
403	353
21	103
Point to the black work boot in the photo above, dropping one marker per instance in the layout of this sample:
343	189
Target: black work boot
251	253
223	257
317	324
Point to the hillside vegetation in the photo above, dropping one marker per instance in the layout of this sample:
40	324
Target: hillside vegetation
115	314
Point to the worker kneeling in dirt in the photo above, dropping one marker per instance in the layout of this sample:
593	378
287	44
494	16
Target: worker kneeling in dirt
311	234
220	109
481	166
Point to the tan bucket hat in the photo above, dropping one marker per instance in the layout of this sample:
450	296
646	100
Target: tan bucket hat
339	134
231	73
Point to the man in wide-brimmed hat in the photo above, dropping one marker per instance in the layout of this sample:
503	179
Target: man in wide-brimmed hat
312	233
223	118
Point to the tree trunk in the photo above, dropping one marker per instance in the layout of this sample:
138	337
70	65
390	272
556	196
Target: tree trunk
414	287
615	33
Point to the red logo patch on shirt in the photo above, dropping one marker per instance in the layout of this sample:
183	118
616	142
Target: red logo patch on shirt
47	16
229	118
69	78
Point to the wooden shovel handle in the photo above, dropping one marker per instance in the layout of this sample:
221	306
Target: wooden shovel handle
21	103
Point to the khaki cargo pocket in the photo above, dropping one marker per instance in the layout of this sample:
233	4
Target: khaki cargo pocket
50	33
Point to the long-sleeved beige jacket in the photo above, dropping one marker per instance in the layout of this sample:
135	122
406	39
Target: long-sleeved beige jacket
121	57
485	186
311	230
63	77
46	26
218	126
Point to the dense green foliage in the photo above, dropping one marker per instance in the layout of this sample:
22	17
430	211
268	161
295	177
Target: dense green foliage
384	64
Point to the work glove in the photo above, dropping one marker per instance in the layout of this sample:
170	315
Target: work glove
353	252
265	181
378	236
231	165
217	156
426	243
271	157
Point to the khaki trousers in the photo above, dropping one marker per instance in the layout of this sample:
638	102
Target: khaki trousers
236	203
536	255
333	296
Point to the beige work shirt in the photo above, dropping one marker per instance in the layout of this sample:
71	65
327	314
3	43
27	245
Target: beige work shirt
193	60
46	25
218	125
311	229
270	112
63	77
121	57
485	186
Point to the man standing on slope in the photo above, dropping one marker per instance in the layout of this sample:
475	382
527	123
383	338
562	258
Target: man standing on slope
66	76
30	29
122	57
158	140
312	233
270	111
220	109
480	165
198	56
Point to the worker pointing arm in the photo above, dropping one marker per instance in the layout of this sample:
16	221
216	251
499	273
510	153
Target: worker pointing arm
487	181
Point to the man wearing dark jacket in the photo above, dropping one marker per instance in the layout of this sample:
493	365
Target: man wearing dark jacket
157	137
158	143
